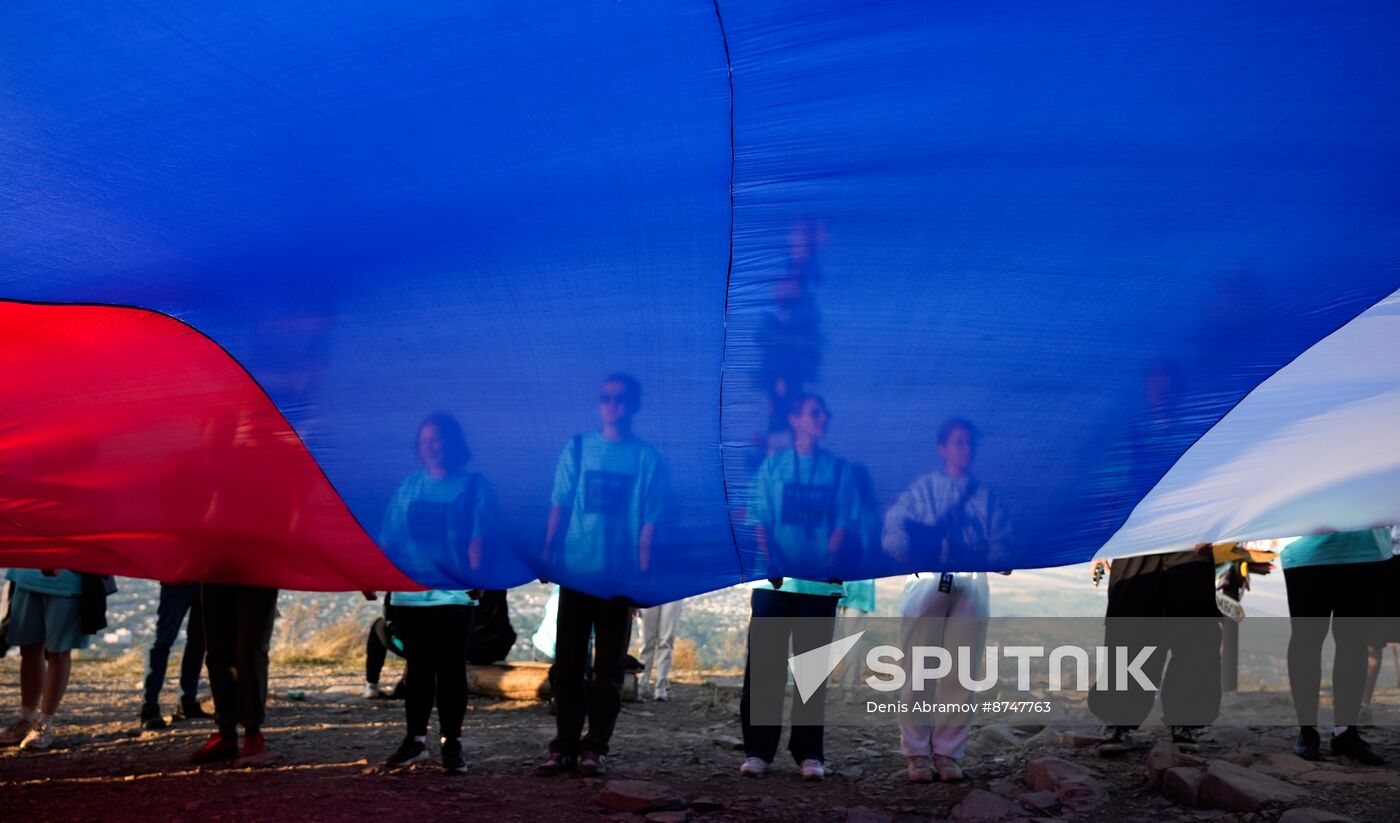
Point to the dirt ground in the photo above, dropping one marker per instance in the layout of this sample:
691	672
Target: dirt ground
326	749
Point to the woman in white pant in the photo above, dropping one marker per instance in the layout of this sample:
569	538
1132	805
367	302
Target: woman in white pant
658	640
953	521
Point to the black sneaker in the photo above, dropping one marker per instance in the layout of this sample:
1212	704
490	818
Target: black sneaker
1350	744
556	764
151	720
190	711
1308	745
410	751
1185	738
452	760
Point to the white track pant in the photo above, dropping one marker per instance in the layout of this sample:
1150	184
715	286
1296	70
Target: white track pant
658	639
964	612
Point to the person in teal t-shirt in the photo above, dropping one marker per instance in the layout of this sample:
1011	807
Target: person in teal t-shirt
802	507
612	492
608	498
45	624
447	514
1333	583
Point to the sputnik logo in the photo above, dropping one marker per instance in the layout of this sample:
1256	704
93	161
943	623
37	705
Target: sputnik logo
811	668
891	666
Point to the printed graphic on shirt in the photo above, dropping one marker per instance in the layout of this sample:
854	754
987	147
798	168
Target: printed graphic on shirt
606	493
427	521
436	523
807	506
954	532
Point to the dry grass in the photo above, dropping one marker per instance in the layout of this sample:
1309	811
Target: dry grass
684	656
298	643
131	661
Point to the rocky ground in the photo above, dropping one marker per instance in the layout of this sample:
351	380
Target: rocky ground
674	761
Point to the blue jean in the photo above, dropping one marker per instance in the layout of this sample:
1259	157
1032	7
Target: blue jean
176	600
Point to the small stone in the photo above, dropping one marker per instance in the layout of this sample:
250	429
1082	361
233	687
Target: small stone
668	817
1079	793
852	772
1234	788
729	741
1079	740
1042	801
1046	773
1284	765
981	804
1162	757
1043	739
636	796
1182	785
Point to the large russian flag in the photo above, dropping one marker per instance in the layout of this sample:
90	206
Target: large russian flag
1151	250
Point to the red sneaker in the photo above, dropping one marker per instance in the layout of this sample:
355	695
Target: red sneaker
253	746
217	747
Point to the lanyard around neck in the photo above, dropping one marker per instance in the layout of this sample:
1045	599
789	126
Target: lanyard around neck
811	473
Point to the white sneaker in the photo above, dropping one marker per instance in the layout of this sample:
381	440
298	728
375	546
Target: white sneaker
662	694
39	739
371	691
753	767
15	732
812	769
948	769
919	771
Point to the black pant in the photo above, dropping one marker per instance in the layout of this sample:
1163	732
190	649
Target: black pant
237	632
1343	597
765	674
375	652
610	623
1174	610
176	600
435	646
376	648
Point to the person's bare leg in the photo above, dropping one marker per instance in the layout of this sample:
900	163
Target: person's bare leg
56	681
31	676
